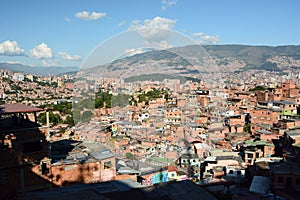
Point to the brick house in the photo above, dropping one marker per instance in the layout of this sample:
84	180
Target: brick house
80	162
291	137
289	89
263	116
23	146
285	107
173	115
285	178
257	149
235	123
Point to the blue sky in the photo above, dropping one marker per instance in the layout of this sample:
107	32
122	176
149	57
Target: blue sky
64	32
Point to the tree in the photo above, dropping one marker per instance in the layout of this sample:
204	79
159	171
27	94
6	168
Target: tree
69	120
102	97
53	118
247	128
258	88
129	155
86	116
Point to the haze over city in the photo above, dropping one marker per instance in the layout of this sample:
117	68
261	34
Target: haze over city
63	33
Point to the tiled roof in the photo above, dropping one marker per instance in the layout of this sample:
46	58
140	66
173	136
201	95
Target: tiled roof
17	108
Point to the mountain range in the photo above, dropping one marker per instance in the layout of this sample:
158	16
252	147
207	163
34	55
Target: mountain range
188	60
16	67
193	60
267	58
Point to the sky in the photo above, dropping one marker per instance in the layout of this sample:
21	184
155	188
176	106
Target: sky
67	32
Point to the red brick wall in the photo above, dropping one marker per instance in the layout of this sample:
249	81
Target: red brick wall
82	173
262	95
263	116
125	176
294	92
235	121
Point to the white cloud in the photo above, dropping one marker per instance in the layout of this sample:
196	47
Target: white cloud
157	22
66	56
155	30
67	19
49	63
41	51
10	48
131	52
17	62
167	3
12	62
85	15
203	38
122	23
158	45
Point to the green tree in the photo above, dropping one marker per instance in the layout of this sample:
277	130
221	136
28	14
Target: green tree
102	97
142	97
247	128
258	88
86	116
64	107
69	120
53	118
129	155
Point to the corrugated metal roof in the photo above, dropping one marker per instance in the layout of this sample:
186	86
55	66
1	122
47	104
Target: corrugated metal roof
101	156
260	185
17	108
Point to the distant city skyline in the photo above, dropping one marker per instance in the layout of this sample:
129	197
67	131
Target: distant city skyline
63	33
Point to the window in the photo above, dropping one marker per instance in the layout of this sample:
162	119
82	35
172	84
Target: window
107	165
123	147
280	179
288	181
257	155
250	155
239	172
30	147
44	168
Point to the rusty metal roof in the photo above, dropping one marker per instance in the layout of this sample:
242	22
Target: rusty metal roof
17	108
